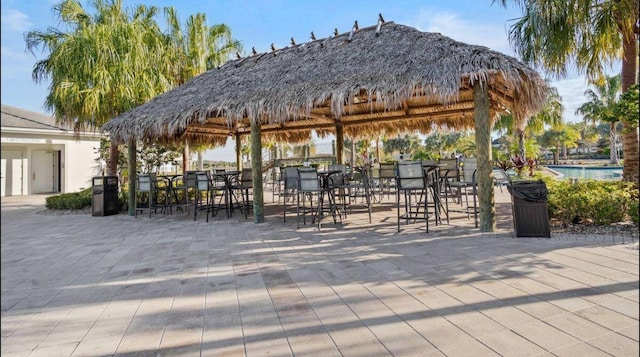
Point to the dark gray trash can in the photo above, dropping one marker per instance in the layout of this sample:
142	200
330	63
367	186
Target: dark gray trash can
104	198
529	206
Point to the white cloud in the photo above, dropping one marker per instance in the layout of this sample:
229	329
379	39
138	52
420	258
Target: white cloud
14	20
572	93
8	52
16	64
451	25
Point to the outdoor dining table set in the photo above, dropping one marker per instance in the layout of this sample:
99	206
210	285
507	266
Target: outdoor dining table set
195	192
423	190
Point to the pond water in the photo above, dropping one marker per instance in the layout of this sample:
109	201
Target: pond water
588	172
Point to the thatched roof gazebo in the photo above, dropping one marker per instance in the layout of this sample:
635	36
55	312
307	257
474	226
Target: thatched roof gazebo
385	78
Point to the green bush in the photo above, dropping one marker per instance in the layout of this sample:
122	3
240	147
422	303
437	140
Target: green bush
597	202
65	201
123	199
634	211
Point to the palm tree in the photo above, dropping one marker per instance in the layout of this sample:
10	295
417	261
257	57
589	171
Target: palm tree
466	144
560	137
106	64
590	33
196	49
588	135
407	144
549	115
601	107
441	142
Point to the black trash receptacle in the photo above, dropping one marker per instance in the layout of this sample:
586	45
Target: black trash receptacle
104	198
529	206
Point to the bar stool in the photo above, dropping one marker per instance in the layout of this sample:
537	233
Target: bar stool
359	185
147	184
290	188
387	178
311	185
466	184
205	195
412	184
432	175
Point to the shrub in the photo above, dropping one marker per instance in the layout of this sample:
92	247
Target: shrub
590	201
123	199
634	210
66	201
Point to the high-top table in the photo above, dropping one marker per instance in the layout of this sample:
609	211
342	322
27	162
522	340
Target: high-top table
227	178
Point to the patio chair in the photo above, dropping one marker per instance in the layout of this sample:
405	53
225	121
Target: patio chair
338	181
204	195
310	186
358	187
432	176
466	184
289	189
272	182
500	178
412	184
147	184
387	178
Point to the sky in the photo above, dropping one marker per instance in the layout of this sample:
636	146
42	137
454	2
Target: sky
259	23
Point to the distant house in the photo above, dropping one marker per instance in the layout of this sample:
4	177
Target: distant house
39	156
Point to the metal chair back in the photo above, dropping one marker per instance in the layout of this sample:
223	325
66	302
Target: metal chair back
449	168
246	178
290	178
337	179
411	175
308	180
144	183
190	179
387	170
203	183
469	167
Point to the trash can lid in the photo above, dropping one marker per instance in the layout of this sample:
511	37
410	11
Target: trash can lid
533	191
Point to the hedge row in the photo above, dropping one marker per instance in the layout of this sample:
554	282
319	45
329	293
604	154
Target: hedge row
597	202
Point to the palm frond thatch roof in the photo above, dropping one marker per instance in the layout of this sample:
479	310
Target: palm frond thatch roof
387	78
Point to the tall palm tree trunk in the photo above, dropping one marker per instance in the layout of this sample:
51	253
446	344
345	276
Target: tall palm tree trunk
613	152
630	147
200	160
113	160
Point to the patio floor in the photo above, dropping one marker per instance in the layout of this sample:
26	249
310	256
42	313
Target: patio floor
77	285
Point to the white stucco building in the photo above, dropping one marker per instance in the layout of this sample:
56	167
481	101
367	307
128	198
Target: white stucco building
39	156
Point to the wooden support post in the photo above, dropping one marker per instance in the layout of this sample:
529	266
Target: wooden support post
238	152
186	160
131	152
484	175
339	144
353	152
256	172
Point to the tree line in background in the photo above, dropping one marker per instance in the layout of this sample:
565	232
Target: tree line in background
112	60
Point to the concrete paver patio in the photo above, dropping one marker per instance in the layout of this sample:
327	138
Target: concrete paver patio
77	285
